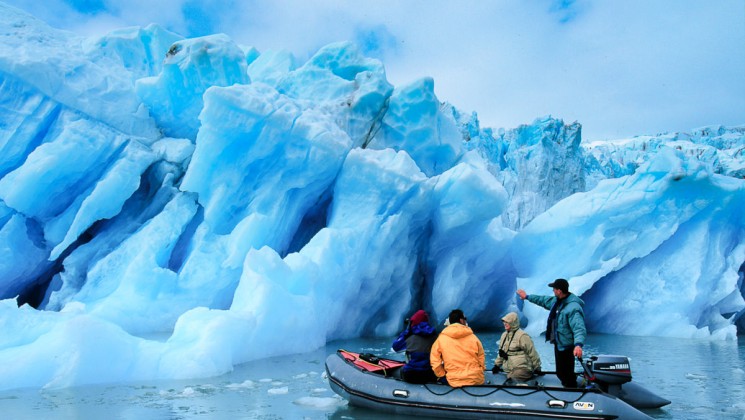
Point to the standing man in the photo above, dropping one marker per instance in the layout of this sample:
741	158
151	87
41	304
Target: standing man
565	327
457	354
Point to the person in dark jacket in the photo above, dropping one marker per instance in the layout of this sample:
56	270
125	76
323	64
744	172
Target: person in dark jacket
417	339
565	328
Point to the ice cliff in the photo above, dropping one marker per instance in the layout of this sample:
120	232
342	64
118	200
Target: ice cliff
246	205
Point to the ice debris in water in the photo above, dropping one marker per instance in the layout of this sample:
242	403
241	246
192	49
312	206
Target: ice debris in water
245	384
278	391
320	403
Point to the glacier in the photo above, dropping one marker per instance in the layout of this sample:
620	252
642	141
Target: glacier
173	207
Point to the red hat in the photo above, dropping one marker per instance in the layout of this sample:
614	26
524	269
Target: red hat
419	317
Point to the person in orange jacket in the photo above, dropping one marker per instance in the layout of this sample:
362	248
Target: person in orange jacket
457	356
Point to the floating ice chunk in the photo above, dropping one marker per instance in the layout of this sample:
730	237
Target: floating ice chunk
245	384
320	403
278	391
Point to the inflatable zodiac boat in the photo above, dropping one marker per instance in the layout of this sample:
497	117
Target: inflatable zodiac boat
604	391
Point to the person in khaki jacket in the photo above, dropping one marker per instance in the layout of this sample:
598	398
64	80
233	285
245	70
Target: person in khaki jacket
517	354
457	355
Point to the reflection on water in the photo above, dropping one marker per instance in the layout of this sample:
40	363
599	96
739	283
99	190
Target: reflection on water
703	379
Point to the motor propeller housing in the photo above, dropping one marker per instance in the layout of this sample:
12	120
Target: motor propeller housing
609	369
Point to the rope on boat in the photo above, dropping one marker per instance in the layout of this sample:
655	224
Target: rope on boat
514	394
466	390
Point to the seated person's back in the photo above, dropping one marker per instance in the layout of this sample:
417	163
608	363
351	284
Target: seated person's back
457	355
417	339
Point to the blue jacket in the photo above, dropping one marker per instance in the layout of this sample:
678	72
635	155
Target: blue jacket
417	341
569	322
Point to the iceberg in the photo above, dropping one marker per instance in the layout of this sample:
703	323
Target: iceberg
171	208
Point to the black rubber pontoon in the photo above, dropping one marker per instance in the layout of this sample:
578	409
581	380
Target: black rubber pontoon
382	390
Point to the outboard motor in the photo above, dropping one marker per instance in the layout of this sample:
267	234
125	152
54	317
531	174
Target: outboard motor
612	374
608	371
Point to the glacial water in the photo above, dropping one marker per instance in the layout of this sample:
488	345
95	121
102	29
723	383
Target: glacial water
704	379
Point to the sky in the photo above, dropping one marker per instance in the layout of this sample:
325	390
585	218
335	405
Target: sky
620	68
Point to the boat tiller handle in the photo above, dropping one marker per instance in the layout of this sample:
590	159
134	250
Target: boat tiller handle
589	376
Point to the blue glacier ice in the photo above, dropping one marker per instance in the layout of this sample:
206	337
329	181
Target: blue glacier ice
171	207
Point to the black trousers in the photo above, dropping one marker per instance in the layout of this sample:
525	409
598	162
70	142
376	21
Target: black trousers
419	376
565	367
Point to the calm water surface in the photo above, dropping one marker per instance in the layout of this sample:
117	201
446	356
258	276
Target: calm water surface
703	379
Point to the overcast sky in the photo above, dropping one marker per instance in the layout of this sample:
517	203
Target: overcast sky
620	68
